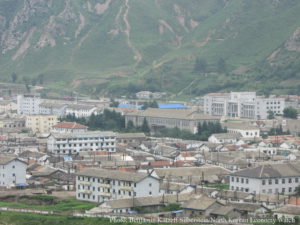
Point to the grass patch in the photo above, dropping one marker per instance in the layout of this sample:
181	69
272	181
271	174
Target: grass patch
218	186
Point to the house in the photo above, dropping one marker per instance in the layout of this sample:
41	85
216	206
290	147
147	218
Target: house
12	171
100	185
270	178
175	188
41	123
287	212
245	130
8	107
226	211
68	127
231	138
73	143
250	209
200	206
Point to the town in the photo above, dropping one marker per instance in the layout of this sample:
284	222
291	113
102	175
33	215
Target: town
221	156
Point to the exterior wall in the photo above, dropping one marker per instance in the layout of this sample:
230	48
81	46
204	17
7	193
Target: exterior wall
59	111
78	143
99	190
41	123
12	123
251	133
213	139
6	108
28	104
263	105
68	130
13	173
80	112
265	185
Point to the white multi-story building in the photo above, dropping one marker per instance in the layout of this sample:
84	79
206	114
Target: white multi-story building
81	110
245	131
73	143
52	108
12	171
28	104
98	185
242	104
272	179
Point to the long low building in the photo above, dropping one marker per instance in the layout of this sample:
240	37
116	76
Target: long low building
184	119
271	179
98	185
73	143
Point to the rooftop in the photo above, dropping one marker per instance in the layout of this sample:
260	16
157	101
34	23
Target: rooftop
70	125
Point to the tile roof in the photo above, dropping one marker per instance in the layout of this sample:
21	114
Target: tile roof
271	171
199	202
113	174
70	125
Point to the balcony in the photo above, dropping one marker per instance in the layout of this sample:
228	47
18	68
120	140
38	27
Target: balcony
86	191
104	185
85	183
126	188
106	194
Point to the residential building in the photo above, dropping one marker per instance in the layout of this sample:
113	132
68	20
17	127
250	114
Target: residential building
73	143
69	127
41	123
81	110
169	118
242	104
8	107
12	171
12	123
131	137
271	179
224	138
98	185
28	104
149	95
246	131
57	109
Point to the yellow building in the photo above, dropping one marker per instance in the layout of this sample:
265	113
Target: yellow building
41	123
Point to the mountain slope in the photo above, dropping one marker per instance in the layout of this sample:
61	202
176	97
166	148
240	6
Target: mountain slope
119	47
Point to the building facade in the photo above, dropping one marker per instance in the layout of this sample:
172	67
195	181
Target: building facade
271	179
12	171
242	104
98	185
41	123
81	110
28	104
52	109
73	143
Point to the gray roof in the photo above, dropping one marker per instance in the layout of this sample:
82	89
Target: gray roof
249	207
131	135
113	174
52	105
199	202
227	136
222	210
80	107
289	209
240	126
271	171
4	159
84	134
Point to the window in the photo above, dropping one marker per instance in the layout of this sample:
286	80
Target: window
13	175
150	185
242	180
296	180
283	181
13	166
232	179
270	181
263	182
283	190
150	193
276	181
290	180
247	181
237	179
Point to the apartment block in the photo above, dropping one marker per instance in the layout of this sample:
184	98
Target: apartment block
73	143
41	123
98	185
28	104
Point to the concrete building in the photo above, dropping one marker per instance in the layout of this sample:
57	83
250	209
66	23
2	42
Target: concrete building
69	127
12	123
73	143
246	131
28	104
242	104
170	118
224	138
81	110
41	123
8	107
98	185
12	171
57	109
271	179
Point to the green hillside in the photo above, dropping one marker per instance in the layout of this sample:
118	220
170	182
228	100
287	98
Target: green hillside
186	48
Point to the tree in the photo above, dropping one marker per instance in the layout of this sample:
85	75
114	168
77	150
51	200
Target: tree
14	77
40	78
221	66
145	127
270	115
200	65
113	103
290	112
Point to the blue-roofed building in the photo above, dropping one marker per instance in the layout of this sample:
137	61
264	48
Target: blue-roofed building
121	105
172	106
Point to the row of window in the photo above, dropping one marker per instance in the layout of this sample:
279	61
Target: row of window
108	181
85	144
283	181
243	180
